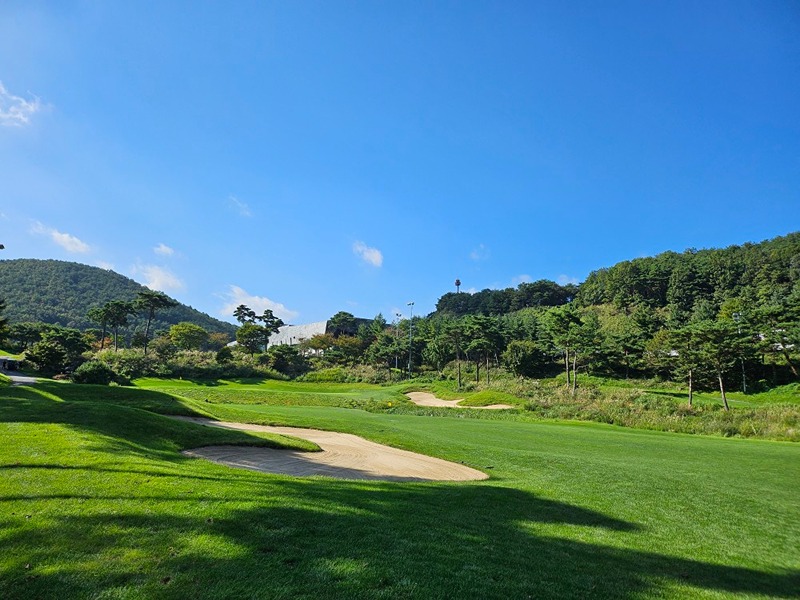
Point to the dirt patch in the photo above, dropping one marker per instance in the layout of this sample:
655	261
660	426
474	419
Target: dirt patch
426	399
343	456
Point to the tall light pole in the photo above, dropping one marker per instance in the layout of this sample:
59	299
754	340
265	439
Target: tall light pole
397	342
410	329
736	317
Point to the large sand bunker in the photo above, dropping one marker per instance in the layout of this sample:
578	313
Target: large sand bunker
343	456
426	399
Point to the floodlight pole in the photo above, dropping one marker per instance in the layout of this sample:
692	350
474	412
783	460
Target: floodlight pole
736	317
396	331
410	329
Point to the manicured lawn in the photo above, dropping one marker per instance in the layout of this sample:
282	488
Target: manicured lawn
250	391
98	502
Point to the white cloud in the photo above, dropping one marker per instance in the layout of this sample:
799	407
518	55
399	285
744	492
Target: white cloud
521	279
369	255
158	278
16	111
566	280
259	304
239	206
163	250
471	290
104	265
68	242
480	253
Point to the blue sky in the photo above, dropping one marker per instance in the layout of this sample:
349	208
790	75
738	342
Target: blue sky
312	157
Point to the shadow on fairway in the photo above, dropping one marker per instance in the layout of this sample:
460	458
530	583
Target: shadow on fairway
175	528
340	539
150	400
127	422
677	395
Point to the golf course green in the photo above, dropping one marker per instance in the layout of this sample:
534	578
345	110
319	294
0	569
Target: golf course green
98	502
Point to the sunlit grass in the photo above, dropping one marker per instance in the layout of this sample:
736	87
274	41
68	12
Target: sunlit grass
98	502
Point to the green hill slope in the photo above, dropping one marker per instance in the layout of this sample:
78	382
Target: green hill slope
60	292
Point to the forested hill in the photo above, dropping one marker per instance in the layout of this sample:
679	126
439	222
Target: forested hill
683	284
54	291
499	302
701	280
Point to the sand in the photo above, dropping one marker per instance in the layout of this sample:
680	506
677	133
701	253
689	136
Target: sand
343	456
426	399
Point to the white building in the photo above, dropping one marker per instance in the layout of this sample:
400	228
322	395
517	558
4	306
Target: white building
291	335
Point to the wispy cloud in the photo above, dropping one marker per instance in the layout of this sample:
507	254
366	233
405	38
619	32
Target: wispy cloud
104	265
471	290
521	279
16	111
480	253
158	278
371	256
259	304
240	207
566	280
163	250
68	242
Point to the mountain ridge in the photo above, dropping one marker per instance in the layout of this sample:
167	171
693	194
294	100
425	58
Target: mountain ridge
62	292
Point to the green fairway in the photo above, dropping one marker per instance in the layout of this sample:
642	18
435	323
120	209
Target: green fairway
98	502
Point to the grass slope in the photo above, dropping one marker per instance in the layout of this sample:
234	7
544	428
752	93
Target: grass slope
99	503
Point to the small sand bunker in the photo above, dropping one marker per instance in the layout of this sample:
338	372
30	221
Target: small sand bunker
426	399
343	456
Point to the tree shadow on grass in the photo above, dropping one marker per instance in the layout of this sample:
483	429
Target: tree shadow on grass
261	537
150	400
210	532
677	395
204	382
126	428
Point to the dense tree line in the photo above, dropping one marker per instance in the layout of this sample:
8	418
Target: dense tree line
500	302
701	281
712	318
718	318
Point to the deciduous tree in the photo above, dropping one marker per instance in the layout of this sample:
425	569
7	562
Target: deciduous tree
188	336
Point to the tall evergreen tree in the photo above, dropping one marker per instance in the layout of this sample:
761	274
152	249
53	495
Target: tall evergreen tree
150	301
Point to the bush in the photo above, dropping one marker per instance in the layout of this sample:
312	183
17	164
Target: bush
131	363
95	372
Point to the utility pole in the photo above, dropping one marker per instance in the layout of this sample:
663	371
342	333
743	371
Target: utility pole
410	330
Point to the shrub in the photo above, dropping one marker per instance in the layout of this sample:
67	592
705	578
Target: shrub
95	372
130	363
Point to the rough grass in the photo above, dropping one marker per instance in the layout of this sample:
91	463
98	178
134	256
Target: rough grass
644	404
98	502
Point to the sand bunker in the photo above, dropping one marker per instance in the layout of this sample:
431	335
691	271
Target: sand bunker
426	399
343	456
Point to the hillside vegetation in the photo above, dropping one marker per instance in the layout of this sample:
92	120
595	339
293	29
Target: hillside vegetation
59	292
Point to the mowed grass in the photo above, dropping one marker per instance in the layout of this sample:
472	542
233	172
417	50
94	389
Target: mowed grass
275	392
98	502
